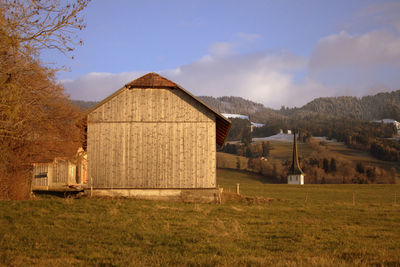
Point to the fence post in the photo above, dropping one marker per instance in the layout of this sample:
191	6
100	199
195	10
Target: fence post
91	186
237	189
220	190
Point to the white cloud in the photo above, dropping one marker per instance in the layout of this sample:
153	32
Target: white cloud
381	14
263	77
343	49
357	64
340	64
96	86
222	49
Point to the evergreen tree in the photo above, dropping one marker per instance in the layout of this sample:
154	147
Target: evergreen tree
333	165
249	154
266	148
325	165
246	136
360	167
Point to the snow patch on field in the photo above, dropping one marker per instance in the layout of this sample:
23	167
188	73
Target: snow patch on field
235	116
240	116
257	124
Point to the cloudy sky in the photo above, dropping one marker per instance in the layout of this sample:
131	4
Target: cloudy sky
272	52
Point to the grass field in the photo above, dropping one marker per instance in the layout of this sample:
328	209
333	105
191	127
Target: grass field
304	225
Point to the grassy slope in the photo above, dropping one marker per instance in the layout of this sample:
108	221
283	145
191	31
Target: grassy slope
336	148
327	229
282	151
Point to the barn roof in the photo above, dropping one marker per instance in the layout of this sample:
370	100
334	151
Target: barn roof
154	80
151	80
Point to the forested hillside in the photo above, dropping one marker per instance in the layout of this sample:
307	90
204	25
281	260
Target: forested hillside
379	106
84	104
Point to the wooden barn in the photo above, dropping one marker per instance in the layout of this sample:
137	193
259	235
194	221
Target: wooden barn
153	139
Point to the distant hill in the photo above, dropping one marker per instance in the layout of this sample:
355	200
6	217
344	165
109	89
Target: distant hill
376	107
367	108
237	105
84	104
232	104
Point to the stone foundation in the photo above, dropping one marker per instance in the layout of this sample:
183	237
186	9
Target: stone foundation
209	195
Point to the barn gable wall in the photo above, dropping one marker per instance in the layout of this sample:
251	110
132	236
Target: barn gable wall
151	105
151	138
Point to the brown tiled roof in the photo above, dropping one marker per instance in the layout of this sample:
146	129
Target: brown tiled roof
151	80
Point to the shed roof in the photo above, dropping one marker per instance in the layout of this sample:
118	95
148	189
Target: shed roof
154	80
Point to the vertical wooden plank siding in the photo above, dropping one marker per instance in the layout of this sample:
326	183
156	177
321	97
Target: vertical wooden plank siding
40	169
151	138
60	172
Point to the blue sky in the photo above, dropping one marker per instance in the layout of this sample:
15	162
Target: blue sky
272	52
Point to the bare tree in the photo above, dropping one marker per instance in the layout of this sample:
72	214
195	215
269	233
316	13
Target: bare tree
42	24
37	119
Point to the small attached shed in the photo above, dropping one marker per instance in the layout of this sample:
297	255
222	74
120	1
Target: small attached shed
61	174
153	139
56	175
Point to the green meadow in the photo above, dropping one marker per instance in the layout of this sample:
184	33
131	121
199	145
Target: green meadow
310	225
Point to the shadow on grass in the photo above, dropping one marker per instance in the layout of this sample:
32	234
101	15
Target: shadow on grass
57	194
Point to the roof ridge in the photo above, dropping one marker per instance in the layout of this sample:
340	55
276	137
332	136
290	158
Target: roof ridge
151	80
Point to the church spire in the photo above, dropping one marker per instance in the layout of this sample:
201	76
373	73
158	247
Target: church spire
295	168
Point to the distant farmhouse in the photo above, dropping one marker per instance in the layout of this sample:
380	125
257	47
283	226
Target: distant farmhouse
390	121
153	139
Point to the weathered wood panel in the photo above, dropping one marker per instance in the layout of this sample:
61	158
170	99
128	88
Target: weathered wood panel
60	172
40	174
151	155
64	172
151	138
151	105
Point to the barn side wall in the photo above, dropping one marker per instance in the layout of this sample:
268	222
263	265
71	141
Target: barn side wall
151	138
